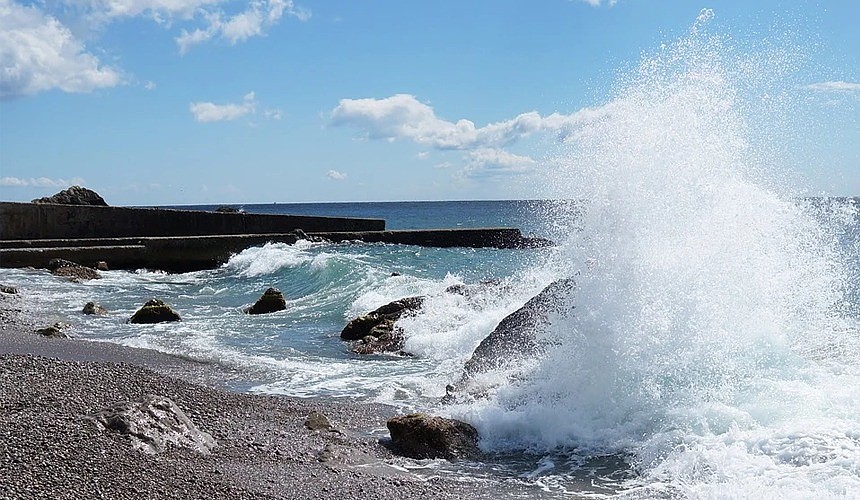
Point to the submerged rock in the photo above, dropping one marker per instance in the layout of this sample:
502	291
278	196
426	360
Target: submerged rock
75	195
55	331
376	331
154	424
93	308
154	311
419	435
271	301
72	270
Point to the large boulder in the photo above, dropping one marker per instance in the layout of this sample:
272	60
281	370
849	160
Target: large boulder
153	425
516	336
75	195
419	435
154	311
72	270
376	331
271	301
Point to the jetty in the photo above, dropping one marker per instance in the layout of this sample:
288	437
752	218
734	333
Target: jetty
32	234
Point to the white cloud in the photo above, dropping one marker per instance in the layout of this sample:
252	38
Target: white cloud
150	85
274	114
495	162
254	21
38	53
335	175
596	3
402	116
838	87
210	112
39	182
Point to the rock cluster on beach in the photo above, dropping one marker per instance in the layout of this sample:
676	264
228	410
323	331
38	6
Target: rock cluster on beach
72	270
376	331
75	195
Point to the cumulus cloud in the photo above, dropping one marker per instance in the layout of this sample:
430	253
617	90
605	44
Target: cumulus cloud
206	112
402	116
254	21
335	175
39	182
835	87
38	53
488	162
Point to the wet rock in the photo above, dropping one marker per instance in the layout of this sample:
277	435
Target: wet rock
55	331
515	337
8	289
316	421
154	311
93	308
381	320
381	340
153	425
419	435
72	270
102	266
75	195
271	301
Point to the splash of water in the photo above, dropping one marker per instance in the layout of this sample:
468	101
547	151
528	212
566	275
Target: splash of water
709	345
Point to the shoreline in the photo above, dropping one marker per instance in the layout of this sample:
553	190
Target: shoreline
48	449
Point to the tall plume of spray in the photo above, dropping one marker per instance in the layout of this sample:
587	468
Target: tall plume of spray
708	312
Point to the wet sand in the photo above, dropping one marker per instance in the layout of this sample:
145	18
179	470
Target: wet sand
49	449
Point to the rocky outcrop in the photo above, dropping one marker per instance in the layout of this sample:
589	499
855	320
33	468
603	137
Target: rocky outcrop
227	210
271	301
419	435
154	311
376	331
72	270
153	425
75	195
516	335
93	308
55	331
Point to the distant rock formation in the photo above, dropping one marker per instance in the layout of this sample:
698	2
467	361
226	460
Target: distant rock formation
154	425
271	301
376	330
72	270
228	210
154	311
419	435
75	195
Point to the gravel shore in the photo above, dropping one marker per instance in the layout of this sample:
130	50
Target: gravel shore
50	449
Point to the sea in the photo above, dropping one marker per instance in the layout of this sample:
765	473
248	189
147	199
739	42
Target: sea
713	349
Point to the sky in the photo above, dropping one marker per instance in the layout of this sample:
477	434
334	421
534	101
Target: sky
168	102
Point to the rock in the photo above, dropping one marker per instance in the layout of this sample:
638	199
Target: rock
72	270
271	301
363	325
75	195
316	421
515	337
8	289
102	266
93	308
54	331
380	340
154	311
227	210
419	435
153	425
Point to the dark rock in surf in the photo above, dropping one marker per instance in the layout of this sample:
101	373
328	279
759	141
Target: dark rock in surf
381	320
515	337
102	266
419	435
75	195
271	301
153	425
94	309
154	311
72	270
55	331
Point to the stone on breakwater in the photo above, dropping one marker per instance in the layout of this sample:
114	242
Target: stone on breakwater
93	308
419	435
154	424
72	270
75	195
154	311
271	301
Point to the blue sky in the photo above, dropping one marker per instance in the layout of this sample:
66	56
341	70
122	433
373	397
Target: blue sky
205	101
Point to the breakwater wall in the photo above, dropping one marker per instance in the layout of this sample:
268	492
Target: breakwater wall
34	221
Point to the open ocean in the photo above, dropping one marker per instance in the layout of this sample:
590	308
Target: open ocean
714	348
